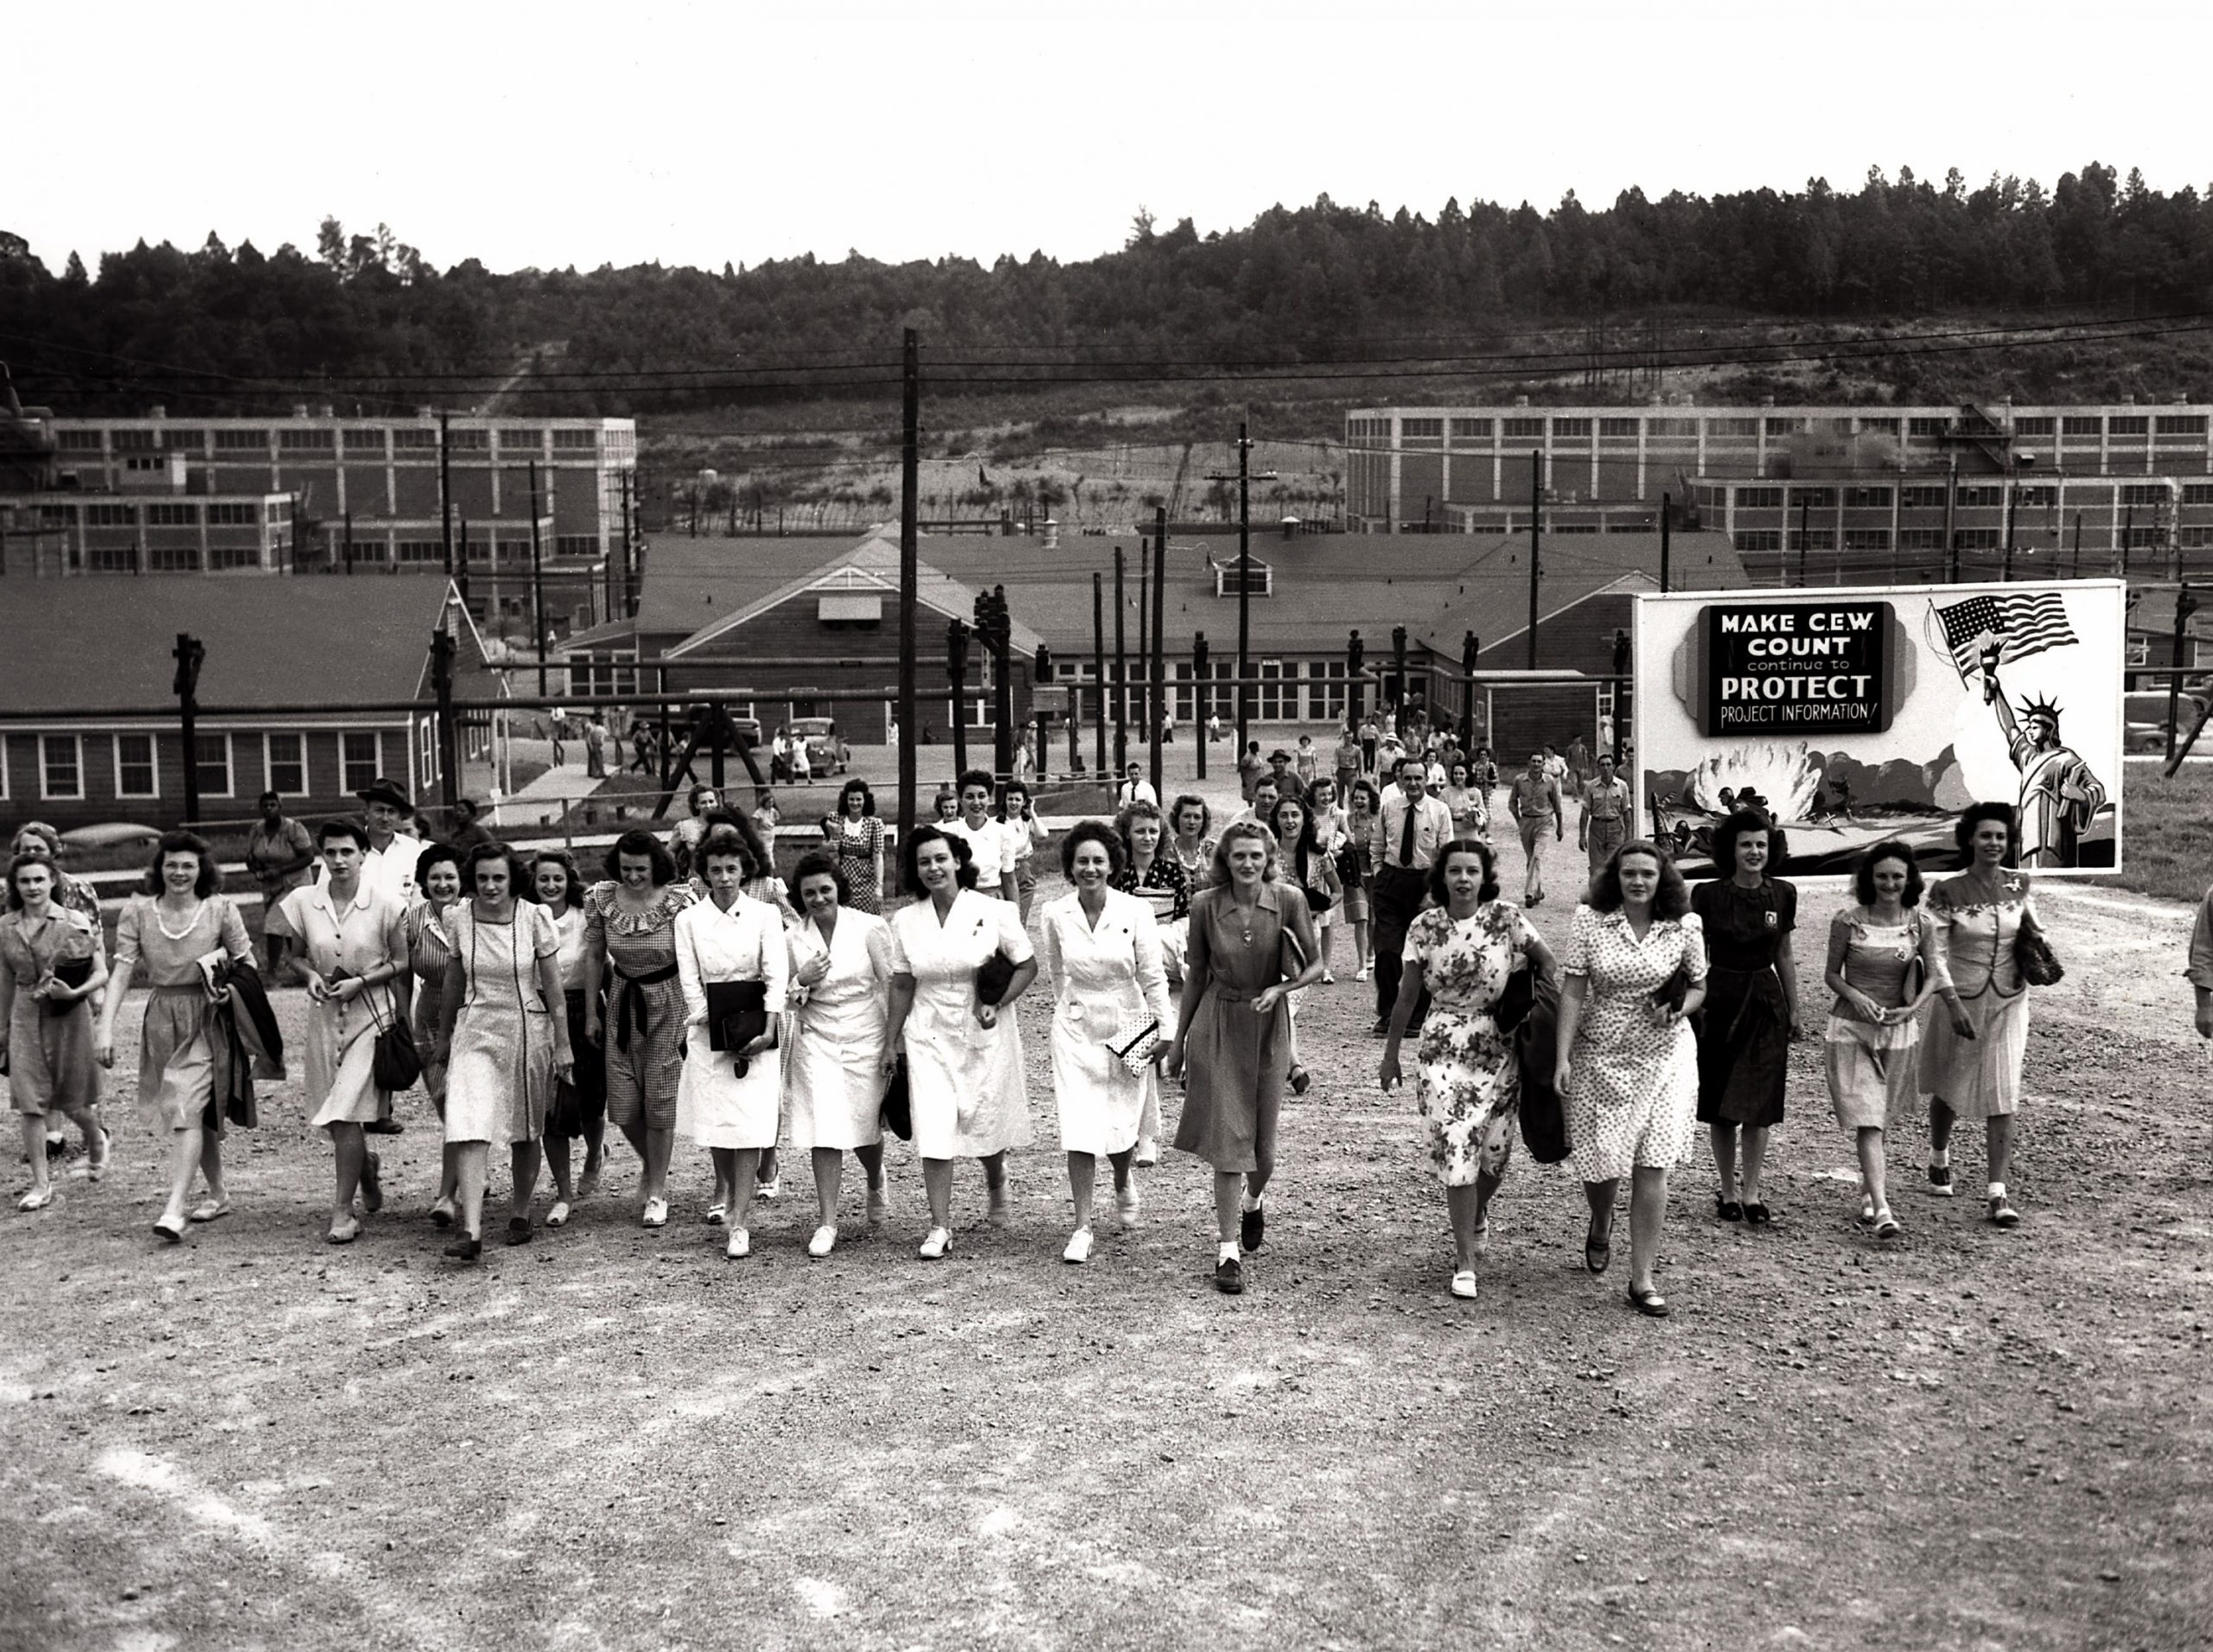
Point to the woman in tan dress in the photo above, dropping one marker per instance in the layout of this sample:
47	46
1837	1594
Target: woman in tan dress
179	918
1232	1033
51	964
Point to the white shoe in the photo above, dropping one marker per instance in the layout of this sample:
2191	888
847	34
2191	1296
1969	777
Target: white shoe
656	1213
716	1214
824	1241
1127	1206
772	1189
1463	1284
1148	1152
1367	971
559	1215
741	1243
1079	1248
935	1244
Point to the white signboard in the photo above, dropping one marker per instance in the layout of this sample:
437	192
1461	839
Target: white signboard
1855	715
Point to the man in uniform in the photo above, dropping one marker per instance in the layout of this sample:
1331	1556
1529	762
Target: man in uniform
1604	825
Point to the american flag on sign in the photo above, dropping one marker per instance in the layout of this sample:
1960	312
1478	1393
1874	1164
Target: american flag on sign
2019	625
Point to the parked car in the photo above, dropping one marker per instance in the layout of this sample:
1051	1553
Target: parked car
826	748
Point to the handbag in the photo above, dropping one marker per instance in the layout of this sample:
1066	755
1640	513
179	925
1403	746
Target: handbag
1671	992
993	976
2034	957
737	1013
396	1063
897	1112
1136	1041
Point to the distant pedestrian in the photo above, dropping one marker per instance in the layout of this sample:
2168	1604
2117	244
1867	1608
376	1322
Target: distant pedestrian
1534	803
641	750
595	738
1250	768
1604	824
278	854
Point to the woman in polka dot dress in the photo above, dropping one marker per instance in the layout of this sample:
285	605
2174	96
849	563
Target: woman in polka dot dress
1628	1063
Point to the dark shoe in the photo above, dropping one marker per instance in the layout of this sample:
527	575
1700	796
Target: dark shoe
371	1186
465	1249
2002	1214
441	1216
1728	1209
1599	1252
518	1230
1300	1078
1940	1181
383	1127
1382	1029
1252	1228
1229	1276
1650	1303
1757	1215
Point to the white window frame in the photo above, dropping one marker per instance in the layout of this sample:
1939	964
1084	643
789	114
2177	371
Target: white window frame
47	795
3	763
426	748
376	767
230	763
269	762
153	765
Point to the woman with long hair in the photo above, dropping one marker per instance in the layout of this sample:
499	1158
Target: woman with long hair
1331	840
430	945
1363	803
1874	1028
1304	867
1232	1034
963	1054
1102	948
1462	949
729	1097
833	1073
1972	1055
630	930
1751	1007
505	1044
1191	820
1470	803
1147	869
51	964
1628	1065
1018	814
352	938
580	1106
179	916
860	846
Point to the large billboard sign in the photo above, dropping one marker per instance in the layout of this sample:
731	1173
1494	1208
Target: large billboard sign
1856	714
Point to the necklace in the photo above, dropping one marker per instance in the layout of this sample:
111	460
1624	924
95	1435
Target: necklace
190	923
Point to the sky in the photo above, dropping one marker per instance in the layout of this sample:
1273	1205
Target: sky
559	134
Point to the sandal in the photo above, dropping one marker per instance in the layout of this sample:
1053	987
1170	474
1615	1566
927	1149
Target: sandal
1727	1209
37	1199
1463	1284
716	1214
1886	1225
1648	1302
210	1210
346	1234
170	1235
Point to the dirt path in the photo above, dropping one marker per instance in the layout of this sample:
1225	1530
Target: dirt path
614	1438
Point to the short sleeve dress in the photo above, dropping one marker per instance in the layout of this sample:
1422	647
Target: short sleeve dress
833	1073
1979	1077
582	1108
369	934
1632	1094
177	1046
964	1082
1234	1062
1106	976
430	944
860	846
1744	1041
1467	1074
642	1038
1871	1069
500	1076
51	1064
716	1106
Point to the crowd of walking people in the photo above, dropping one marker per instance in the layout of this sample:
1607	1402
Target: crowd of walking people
682	990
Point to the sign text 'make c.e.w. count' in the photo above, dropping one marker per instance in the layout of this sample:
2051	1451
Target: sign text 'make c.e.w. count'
1797	667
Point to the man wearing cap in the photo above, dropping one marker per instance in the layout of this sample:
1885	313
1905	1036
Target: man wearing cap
278	853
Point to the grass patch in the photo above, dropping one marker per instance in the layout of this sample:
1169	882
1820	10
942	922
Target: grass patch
2168	849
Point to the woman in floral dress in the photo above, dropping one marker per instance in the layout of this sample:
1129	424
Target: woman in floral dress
1971	1055
859	846
1628	1071
1467	1074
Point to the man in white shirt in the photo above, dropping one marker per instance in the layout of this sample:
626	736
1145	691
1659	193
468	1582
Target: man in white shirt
993	844
1408	831
1135	788
390	863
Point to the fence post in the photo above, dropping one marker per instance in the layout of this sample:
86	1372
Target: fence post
189	653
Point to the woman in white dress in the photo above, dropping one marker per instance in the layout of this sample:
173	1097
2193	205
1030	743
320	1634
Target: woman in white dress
1102	948
352	937
504	1041
727	1100
964	1056
833	1073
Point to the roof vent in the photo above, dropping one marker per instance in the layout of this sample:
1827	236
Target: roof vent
1260	580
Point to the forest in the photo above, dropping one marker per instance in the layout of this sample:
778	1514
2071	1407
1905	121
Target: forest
365	322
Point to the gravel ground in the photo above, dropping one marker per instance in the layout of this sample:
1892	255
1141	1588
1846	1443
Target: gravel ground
615	1438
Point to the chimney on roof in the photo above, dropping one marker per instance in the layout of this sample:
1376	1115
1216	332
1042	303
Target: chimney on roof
157	412
299	410
1052	534
2128	400
1290	527
1767	401
426	413
1521	401
329	410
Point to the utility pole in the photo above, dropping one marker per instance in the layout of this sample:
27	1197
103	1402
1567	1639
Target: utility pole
350	541
1145	632
1805	534
1199	698
1536	543
629	551
956	669
1158	712
909	578
442	648
461	576
1098	659
1244	479
1470	648
537	582
1951	529
2010	492
1664	513
1121	676
2185	605
999	642
445	495
190	655
2127	532
2077	571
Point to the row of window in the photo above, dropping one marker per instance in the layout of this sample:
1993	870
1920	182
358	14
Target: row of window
227	513
313	439
62	757
1926	426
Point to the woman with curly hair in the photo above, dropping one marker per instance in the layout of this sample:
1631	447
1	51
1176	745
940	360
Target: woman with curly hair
630	930
1101	947
1628	1065
1751	1007
1232	1033
1462	949
833	1073
580	1106
1153	872
859	846
1363	805
1874	1031
1972	1055
179	916
963	1052
51	964
1018	814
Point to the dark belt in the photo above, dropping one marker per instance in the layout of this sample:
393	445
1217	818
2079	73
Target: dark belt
627	1004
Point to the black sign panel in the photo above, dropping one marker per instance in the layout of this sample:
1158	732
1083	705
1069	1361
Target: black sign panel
1797	668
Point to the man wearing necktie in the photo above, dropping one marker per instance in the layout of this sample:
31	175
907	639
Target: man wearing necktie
1408	831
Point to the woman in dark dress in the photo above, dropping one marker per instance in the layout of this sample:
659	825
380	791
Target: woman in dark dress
1751	1007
